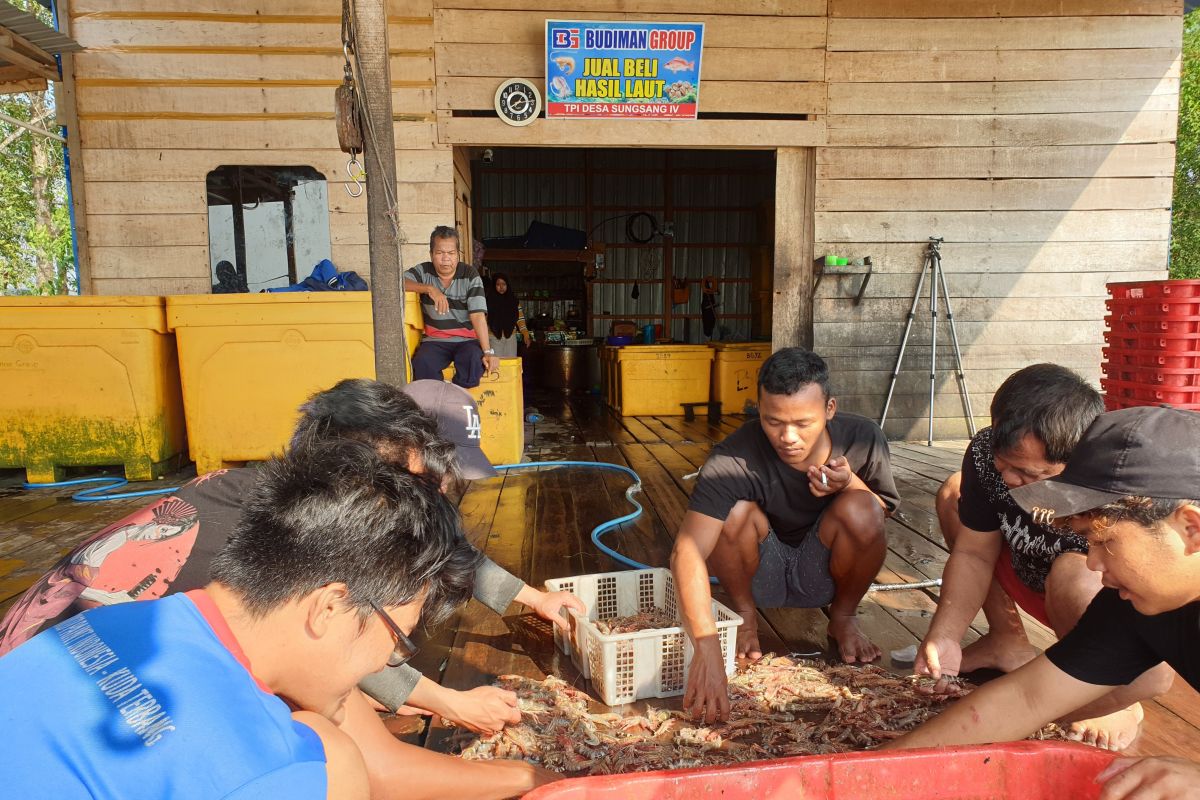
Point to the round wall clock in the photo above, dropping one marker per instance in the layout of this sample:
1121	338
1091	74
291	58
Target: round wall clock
518	102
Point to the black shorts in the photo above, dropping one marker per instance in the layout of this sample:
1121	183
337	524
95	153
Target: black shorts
793	577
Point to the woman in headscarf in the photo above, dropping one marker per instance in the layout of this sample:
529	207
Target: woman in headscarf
505	317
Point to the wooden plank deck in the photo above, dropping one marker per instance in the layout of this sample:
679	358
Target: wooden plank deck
536	523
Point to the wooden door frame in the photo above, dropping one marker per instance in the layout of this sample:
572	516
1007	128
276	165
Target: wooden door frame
795	201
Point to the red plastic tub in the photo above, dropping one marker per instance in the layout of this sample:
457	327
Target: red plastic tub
1025	770
1178	342
1115	403
1154	307
1146	324
1152	376
1164	288
1179	396
1151	358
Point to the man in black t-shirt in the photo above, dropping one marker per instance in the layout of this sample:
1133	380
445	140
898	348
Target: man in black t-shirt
1001	556
788	511
1130	487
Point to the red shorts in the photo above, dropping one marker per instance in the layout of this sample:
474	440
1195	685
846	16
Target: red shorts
1031	602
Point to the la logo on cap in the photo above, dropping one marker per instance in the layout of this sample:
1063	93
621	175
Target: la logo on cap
473	424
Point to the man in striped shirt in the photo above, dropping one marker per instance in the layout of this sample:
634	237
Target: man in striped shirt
455	309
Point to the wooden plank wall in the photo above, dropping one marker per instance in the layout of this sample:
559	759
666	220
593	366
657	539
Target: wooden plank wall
1037	137
765	59
170	89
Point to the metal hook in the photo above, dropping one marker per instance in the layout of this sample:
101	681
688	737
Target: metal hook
354	171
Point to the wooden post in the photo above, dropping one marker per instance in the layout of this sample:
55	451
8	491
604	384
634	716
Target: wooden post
379	143
66	105
792	312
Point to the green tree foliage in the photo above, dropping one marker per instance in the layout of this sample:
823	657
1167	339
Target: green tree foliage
1185	214
35	230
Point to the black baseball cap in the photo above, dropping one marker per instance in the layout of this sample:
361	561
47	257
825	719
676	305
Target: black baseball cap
1149	451
458	422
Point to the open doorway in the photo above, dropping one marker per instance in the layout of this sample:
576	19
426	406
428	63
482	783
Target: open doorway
596	238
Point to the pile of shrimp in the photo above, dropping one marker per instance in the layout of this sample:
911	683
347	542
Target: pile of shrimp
779	706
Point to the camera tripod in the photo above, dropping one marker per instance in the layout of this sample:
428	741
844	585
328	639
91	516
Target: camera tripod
933	264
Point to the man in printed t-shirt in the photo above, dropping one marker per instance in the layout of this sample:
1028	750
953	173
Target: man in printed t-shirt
999	554
454	304
788	511
1131	488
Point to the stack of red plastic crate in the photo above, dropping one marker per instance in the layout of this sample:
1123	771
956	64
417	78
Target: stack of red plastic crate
1153	352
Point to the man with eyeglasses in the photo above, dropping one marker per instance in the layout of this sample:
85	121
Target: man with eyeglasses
431	427
237	690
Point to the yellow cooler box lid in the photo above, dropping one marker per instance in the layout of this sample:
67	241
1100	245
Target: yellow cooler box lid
634	352
740	346
91	312
283	308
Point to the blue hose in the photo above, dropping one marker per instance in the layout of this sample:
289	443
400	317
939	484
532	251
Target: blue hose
603	527
106	483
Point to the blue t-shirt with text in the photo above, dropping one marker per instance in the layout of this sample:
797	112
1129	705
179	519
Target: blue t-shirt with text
148	700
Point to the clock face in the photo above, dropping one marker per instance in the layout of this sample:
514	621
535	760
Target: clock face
518	102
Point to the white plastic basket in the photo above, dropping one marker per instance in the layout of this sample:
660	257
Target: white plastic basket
624	667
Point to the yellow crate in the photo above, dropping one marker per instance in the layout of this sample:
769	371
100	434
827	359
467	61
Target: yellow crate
88	381
249	360
501	400
655	380
735	373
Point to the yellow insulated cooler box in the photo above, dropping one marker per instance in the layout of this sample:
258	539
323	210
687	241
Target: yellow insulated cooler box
88	381
248	361
501	400
735	374
656	380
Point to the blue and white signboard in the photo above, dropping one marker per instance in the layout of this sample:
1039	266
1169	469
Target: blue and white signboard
597	70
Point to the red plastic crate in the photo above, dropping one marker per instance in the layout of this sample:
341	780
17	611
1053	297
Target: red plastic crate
1025	770
1154	307
1114	403
1168	325
1164	288
1152	376
1151	358
1175	342
1152	395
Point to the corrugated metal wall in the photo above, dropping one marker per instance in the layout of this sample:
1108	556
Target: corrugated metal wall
718	203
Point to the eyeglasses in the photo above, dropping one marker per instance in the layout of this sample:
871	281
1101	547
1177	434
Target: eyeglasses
405	648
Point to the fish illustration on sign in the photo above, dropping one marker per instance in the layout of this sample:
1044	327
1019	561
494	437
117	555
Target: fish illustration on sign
677	64
565	63
559	87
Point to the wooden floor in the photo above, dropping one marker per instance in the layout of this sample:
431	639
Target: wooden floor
536	523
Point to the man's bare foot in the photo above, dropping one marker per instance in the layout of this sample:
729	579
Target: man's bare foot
853	645
1005	652
1115	731
747	637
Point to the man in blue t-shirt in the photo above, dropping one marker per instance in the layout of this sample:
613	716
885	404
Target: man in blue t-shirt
168	548
1130	487
236	690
